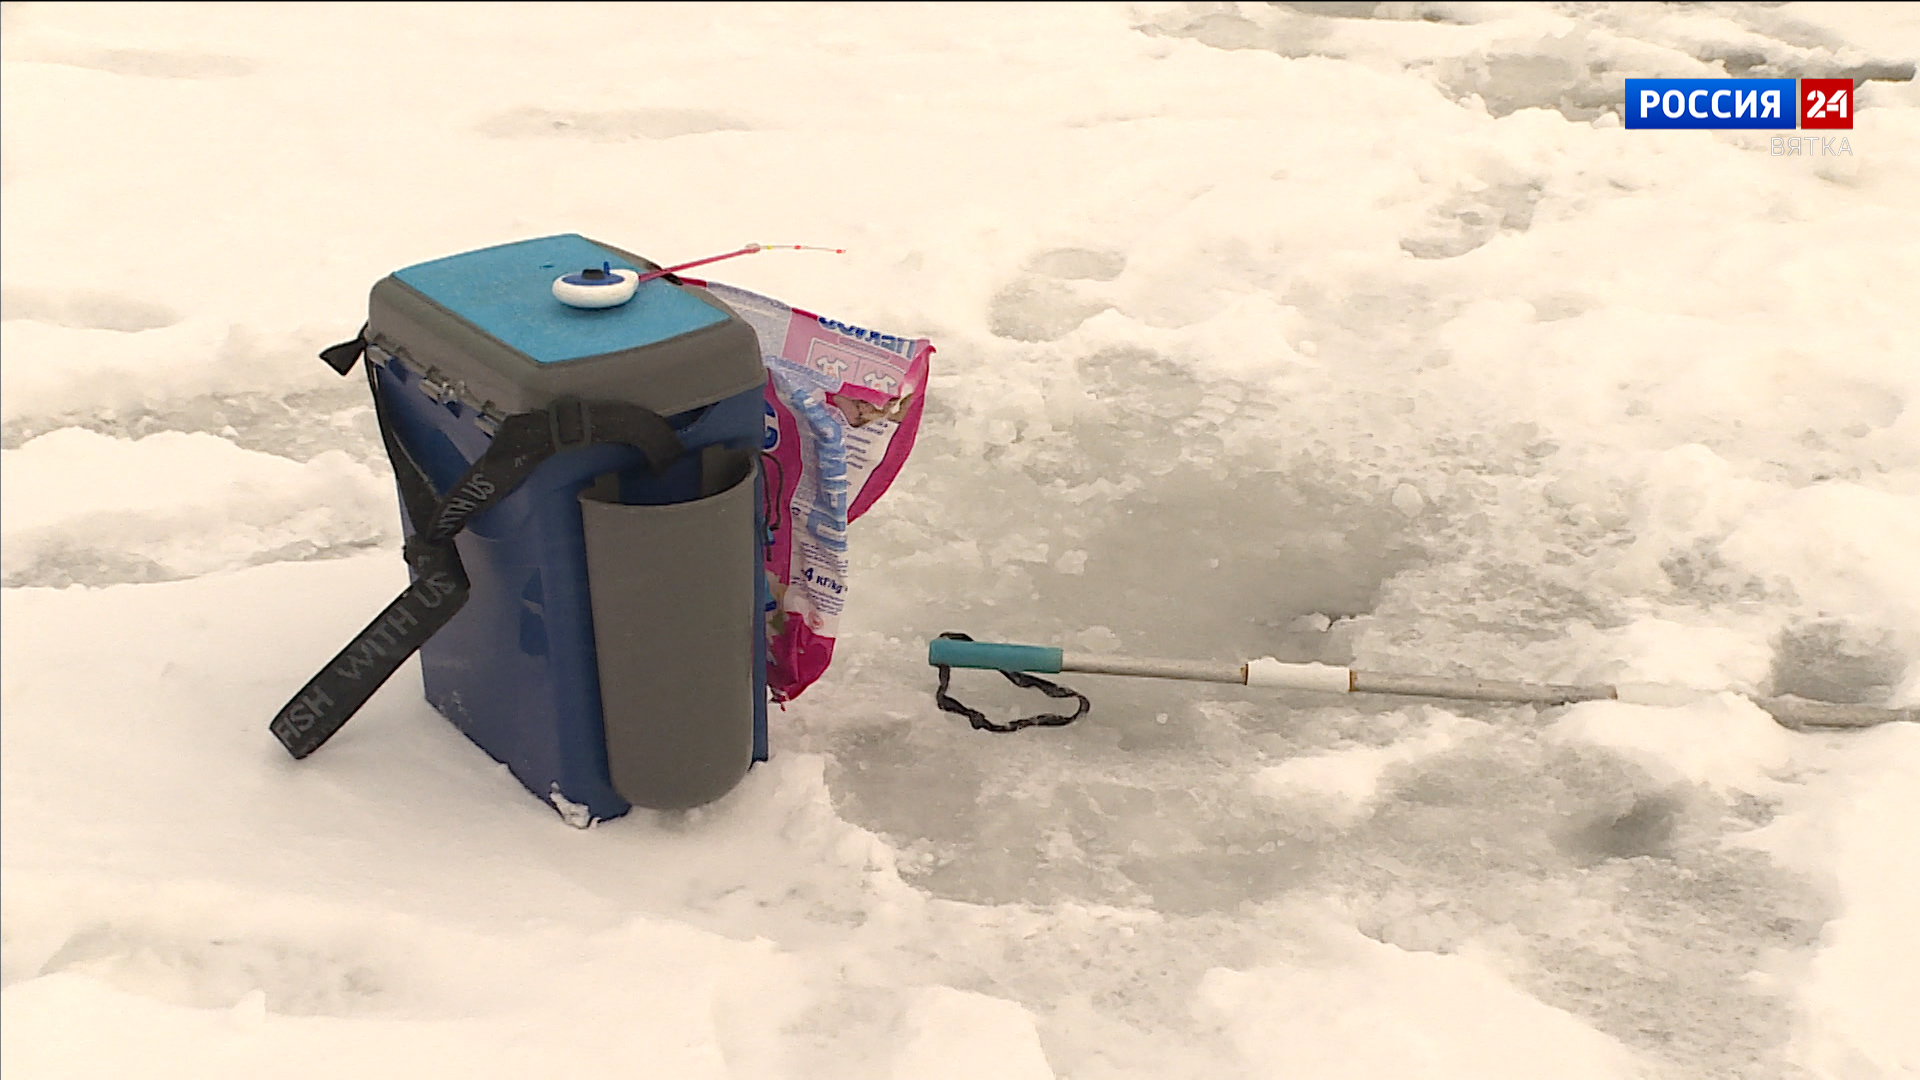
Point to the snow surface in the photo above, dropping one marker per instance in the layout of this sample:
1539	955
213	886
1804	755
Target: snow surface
1353	333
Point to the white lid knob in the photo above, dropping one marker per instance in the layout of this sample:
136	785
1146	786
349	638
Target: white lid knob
596	287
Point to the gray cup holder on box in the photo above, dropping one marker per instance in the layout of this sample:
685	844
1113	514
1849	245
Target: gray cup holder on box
672	590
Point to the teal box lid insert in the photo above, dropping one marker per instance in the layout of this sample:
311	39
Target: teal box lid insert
507	293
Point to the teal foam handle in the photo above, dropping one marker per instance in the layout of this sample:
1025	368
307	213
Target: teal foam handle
993	656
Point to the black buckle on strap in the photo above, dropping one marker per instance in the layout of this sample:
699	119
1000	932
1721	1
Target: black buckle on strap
570	422
424	555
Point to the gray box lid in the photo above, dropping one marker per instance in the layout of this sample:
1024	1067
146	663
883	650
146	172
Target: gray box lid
488	324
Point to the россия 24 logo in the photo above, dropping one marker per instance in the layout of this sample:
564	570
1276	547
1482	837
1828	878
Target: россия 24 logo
1722	104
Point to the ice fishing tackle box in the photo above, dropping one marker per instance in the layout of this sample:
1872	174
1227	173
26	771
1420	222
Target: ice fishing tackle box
594	478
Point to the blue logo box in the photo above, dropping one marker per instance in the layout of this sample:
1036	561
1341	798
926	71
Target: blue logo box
1711	104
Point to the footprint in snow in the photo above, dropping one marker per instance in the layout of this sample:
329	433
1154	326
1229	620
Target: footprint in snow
152	63
1046	304
85	309
610	125
218	973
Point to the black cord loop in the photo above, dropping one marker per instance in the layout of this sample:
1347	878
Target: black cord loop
1021	679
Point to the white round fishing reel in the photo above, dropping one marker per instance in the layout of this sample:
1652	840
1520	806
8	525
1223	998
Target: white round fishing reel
596	287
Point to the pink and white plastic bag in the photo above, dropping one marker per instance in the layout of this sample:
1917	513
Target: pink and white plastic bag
843	407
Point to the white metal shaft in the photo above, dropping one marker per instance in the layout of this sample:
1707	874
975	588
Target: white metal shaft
1799	713
1191	670
1476	689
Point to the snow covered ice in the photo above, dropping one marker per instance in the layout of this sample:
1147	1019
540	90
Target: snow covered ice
1358	333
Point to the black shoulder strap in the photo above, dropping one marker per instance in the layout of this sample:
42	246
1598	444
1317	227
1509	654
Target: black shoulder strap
440	586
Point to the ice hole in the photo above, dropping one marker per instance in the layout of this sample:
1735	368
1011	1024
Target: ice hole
1837	660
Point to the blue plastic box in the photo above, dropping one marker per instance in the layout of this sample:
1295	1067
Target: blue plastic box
610	607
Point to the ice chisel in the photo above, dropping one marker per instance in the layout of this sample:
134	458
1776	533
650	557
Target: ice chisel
1794	712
